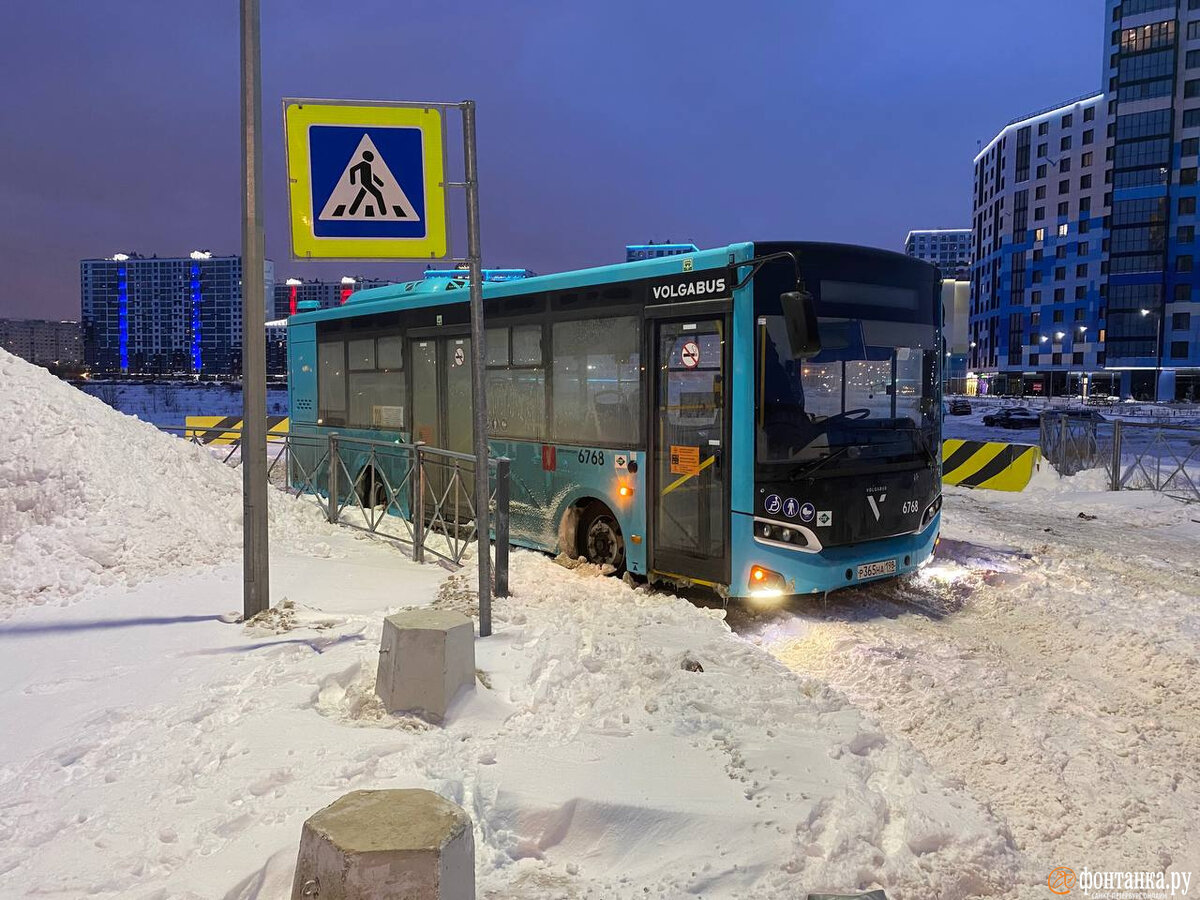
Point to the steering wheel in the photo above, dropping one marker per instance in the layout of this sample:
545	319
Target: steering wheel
849	415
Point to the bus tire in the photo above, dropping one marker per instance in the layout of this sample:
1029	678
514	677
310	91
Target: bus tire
598	537
371	493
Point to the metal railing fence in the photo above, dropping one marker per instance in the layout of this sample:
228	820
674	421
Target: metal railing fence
1134	455
416	495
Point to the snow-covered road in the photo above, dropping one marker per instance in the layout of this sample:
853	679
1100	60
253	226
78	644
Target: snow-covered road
1030	700
1047	660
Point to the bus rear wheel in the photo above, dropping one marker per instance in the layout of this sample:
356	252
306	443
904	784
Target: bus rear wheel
599	538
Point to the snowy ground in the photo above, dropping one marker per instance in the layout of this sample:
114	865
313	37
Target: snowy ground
168	403
1029	701
1048	661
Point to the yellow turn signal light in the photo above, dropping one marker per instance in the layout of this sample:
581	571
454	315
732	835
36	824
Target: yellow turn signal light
625	491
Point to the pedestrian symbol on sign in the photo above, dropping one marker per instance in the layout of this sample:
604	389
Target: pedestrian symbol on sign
367	178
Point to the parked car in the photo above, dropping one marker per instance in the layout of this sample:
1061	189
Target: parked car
1013	417
959	407
1084	415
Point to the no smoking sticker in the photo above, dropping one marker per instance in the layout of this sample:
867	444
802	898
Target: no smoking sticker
460	356
690	355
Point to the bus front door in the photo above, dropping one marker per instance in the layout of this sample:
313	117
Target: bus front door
441	407
688	449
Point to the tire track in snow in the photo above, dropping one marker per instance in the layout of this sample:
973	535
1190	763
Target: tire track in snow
1037	693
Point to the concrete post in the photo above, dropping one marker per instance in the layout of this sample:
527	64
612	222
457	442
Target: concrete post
426	656
386	844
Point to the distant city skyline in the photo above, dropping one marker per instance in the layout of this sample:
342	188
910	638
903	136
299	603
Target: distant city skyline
128	140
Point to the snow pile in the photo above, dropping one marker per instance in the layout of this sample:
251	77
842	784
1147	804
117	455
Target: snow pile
90	496
619	744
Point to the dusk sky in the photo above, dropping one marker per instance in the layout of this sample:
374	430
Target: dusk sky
599	124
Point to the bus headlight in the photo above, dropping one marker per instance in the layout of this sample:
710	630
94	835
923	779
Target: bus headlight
765	582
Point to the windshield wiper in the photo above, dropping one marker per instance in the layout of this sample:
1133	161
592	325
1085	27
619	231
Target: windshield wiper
808	470
923	444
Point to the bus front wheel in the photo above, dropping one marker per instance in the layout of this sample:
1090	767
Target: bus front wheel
599	537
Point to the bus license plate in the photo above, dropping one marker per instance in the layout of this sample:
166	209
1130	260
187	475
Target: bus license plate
873	569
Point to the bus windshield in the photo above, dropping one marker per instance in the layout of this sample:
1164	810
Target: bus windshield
868	398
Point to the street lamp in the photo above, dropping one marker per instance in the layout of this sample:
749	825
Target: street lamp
1158	348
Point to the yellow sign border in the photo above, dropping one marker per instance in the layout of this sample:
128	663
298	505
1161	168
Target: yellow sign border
298	116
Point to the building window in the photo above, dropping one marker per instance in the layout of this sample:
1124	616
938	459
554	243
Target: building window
1033	359
1066	121
1181	321
1060	252
1064	186
1185	234
1058	298
1039	213
1060	273
1085	182
1193	30
1183	293
1037	276
1043	128
1042	150
1179	349
1191	117
1081	270
1062	229
1188	175
1193	59
1065	143
1039	234
1035	297
1187	206
1041	171
1077	357
1191	87
1080	294
1183	263
1039	192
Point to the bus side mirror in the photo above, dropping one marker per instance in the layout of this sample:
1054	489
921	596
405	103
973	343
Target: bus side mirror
801	319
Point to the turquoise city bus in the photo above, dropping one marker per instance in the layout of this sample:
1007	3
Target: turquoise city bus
761	419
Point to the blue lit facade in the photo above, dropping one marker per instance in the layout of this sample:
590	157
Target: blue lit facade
123	316
163	315
197	356
1140	313
1037	316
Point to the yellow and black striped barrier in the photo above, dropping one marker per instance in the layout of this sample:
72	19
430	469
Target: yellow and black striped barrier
988	464
226	430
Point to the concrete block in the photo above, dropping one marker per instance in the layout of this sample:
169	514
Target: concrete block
409	844
426	656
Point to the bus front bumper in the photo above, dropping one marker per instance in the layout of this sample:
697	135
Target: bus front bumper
762	570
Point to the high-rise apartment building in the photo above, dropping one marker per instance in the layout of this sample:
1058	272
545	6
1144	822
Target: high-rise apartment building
1040	201
43	342
1152	75
164	314
947	248
1117	308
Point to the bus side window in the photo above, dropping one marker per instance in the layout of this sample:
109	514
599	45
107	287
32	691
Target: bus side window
516	382
376	383
597	381
331	382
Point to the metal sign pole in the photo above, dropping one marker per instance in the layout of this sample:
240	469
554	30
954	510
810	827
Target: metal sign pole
256	595
482	492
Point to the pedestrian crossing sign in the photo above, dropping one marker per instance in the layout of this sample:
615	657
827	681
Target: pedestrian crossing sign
365	181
